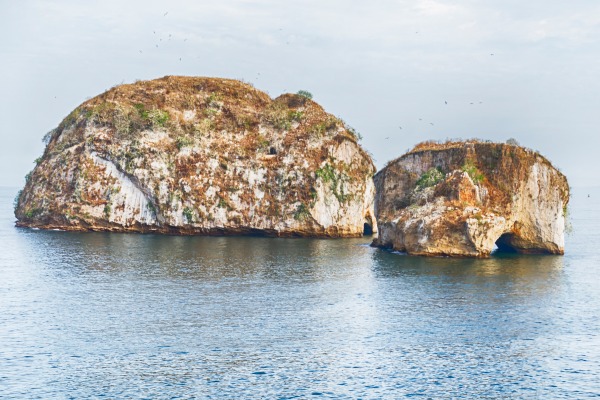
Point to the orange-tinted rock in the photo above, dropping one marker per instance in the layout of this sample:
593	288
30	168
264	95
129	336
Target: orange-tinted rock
183	155
489	194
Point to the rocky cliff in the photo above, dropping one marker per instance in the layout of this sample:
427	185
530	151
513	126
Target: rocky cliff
462	198
189	155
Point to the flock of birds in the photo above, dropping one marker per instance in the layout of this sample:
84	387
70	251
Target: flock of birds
431	123
160	39
258	73
185	40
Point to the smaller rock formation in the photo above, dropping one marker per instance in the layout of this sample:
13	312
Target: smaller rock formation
463	198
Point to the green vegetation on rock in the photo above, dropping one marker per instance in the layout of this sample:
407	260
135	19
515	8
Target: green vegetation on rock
301	212
188	213
306	94
328	174
473	171
430	178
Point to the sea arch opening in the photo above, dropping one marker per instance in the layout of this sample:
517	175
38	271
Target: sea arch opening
368	226
504	243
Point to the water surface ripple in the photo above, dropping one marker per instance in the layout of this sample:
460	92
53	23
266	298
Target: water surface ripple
100	315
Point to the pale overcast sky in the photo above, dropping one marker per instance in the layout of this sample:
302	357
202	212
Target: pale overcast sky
507	68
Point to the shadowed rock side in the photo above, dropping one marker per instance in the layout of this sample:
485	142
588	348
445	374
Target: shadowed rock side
462	198
186	155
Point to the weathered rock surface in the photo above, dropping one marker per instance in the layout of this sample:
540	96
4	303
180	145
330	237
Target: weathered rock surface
189	155
462	198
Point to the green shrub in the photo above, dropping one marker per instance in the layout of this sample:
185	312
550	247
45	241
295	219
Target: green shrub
354	132
16	199
336	183
222	203
318	129
327	173
188	213
296	115
213	99
152	208
430	178
141	109
32	212
306	94
183	141
48	136
158	118
107	209
473	171
301	212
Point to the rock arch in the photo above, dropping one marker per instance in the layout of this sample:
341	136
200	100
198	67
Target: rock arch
466	198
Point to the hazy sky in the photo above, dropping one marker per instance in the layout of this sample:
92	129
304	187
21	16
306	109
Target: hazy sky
507	68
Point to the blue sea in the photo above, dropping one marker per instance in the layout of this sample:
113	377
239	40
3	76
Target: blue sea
129	316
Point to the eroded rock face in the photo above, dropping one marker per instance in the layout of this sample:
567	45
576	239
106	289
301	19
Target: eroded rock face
201	156
463	198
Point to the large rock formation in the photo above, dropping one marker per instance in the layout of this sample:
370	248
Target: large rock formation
189	155
462	198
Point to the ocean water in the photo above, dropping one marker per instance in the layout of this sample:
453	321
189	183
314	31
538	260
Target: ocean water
98	315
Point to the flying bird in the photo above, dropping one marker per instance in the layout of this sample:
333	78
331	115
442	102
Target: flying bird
165	14
389	137
431	123
400	127
445	102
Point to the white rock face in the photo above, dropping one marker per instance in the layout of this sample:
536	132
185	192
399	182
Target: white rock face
201	156
128	204
487	195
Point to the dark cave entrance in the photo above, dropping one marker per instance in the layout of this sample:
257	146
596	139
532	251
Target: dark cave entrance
504	244
368	226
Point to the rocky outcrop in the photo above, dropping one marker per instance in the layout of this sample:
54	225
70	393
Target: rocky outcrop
186	155
463	198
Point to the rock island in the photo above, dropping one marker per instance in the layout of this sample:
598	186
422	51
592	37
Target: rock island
464	198
187	155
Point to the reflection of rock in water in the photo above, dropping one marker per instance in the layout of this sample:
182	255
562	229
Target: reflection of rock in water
465	198
204	258
534	269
